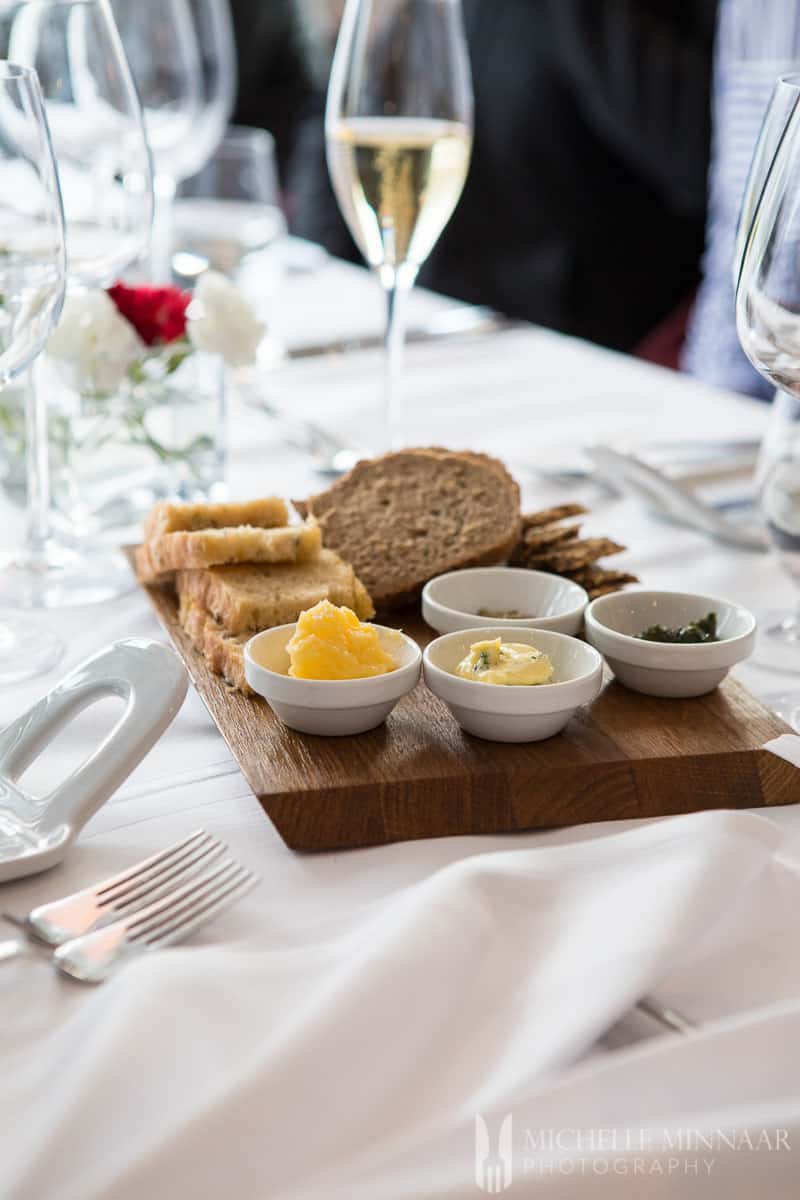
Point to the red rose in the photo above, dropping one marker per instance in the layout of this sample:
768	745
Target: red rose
158	314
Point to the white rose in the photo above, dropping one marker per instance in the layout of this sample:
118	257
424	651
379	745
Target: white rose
93	343
221	321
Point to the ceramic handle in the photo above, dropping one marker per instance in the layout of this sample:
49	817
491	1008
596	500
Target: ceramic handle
147	676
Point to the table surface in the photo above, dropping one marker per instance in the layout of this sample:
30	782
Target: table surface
530	396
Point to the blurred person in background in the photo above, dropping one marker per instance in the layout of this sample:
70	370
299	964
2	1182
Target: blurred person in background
277	85
758	41
585	205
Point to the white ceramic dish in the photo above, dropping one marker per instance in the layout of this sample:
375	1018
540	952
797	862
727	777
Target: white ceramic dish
451	602
664	669
36	832
329	707
514	714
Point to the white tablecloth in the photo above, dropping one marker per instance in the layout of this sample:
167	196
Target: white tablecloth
146	1087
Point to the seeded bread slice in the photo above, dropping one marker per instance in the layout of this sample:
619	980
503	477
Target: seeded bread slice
405	517
246	599
169	552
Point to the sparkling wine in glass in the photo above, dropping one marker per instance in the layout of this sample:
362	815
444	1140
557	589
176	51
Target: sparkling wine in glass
399	138
103	160
32	283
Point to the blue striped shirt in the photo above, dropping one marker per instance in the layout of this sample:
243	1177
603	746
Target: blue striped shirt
757	41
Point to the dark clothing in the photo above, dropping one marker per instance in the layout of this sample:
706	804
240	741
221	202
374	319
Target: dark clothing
276	90
585	204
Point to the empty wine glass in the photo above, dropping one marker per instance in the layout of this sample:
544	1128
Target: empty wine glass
768	320
183	59
32	282
104	166
213	31
231	208
399	138
161	47
783	103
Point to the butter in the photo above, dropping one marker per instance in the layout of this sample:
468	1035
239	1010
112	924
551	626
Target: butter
506	663
331	643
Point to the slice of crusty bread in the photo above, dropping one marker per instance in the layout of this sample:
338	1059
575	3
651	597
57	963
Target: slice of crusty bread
224	652
166	517
250	598
167	552
405	517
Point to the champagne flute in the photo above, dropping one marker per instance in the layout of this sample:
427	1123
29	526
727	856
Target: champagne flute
32	282
399	138
103	161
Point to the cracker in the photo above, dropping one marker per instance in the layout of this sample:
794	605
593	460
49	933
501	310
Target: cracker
606	590
594	576
549	516
549	535
574	555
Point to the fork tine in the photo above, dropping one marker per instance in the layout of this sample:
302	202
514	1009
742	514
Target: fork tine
148	863
213	903
142	919
179	905
166	878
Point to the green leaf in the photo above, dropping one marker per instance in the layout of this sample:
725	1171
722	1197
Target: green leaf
176	359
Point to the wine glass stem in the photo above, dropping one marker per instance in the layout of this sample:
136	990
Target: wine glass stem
397	290
37	467
164	188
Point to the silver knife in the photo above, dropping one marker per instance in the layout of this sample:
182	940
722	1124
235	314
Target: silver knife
673	500
466	320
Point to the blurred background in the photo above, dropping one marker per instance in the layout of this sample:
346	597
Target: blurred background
610	156
585	206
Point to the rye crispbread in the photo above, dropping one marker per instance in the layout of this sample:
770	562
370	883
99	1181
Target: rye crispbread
550	541
549	516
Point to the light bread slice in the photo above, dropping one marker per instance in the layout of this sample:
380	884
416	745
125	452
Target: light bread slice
166	517
246	599
405	517
223	652
167	552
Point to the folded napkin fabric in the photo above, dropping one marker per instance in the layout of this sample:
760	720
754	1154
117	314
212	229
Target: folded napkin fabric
786	746
310	1060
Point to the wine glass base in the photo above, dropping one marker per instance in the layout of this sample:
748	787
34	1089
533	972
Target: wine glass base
27	649
778	641
785	705
64	578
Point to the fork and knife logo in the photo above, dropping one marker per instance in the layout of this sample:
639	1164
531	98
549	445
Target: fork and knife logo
494	1168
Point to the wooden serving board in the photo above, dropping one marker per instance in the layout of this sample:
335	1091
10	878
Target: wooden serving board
420	776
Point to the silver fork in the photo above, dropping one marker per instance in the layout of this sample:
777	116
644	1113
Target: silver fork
93	957
121	895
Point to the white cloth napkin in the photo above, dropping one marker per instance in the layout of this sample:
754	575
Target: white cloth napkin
786	746
347	1053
